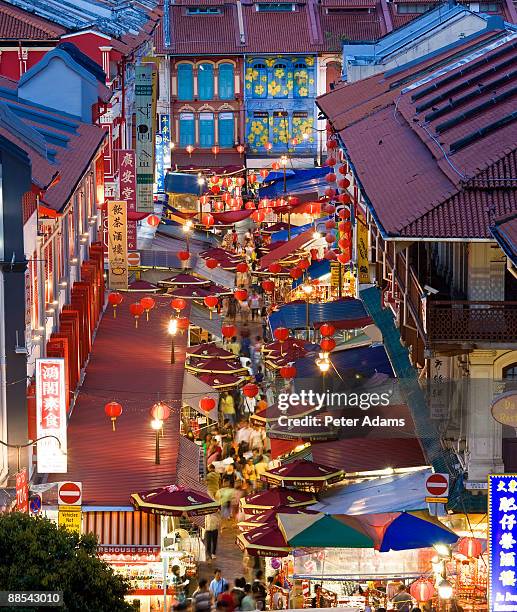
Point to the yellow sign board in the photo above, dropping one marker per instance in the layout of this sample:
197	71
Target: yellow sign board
436	500
335	271
362	252
70	517
117	245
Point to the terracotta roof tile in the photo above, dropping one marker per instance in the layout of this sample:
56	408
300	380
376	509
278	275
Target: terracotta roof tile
17	24
504	231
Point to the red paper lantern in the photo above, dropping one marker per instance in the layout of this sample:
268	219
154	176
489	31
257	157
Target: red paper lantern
344	257
264	203
214	179
153	220
215	150
249	205
343	169
275	166
252	178
470	547
327	330
211	263
211	301
148	303
228	331
328	345
258	216
218	206
344	198
250	390
182	323
137	310
207	219
264	173
281	334
160	411
313	208
330	238
268	285
268	146
275	268
331	161
344	214
215	189
207	403
332	144
288	372
343	183
178	304
295	273
115	299
113	410
242	267
330	193
422	590
240	294
240	181
240	149
329	208
183	255
330	177
304	264
330	224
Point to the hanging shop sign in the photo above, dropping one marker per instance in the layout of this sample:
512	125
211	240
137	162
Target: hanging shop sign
502	542
127	190
22	491
335	274
51	415
145	141
165	131
117	245
160	164
362	252
70	517
504	408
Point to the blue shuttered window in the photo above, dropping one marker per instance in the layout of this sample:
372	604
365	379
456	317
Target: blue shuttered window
226	138
226	82
185	82
205	81
187	130
206	130
259	83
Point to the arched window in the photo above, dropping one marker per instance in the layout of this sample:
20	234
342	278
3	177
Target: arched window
205	81
510	372
185	82
278	86
226	82
187	130
259	82
226	137
206	130
301	81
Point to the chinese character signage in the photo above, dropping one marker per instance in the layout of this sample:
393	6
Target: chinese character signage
22	491
145	144
160	164
502	542
117	245
362	252
127	180
165	131
51	415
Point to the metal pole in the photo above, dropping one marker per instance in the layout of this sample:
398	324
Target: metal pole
165	584
307	318
173	360
157	449
340	282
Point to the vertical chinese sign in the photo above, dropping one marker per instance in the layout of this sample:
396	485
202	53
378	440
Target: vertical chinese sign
160	164
51	415
127	180
165	131
22	491
145	139
362	252
502	542
117	245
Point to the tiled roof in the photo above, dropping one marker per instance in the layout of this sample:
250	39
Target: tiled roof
123	461
16	24
433	130
504	231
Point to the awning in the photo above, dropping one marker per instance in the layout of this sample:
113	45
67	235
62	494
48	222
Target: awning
230	217
366	361
317	269
345	313
179	182
193	390
221	277
200	316
308	180
298	229
287	248
387	494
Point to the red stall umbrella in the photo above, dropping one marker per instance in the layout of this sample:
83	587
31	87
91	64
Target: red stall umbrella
267	541
208	350
271	498
269	517
303	474
174	501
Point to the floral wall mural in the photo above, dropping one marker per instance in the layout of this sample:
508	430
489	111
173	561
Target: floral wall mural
280	92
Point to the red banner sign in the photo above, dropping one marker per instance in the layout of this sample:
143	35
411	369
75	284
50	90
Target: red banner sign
127	181
22	491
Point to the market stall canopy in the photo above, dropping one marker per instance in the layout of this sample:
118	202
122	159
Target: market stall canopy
301	181
377	495
209	350
222	382
302	473
268	517
191	292
272	413
275	227
218	275
142	286
323	531
195	389
181	280
286	248
199	316
364	361
299	229
266	541
230	217
271	498
217	366
221	255
174	501
406	530
343	313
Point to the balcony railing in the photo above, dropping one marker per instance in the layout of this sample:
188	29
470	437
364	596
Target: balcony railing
471	321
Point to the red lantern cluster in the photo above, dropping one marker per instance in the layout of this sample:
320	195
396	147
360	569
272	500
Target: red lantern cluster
182	323
328	345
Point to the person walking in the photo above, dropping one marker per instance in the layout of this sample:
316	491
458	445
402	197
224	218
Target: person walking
212	526
402	600
201	598
250	475
228	407
213	481
225	496
258	588
217	584
248	601
255	305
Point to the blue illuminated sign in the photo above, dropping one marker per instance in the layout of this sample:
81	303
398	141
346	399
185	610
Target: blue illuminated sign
502	542
163	151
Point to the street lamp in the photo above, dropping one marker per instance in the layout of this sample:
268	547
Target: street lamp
445	589
308	289
323	364
172	328
187	228
156	424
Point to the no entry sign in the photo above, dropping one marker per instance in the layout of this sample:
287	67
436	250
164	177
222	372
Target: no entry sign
70	493
437	485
